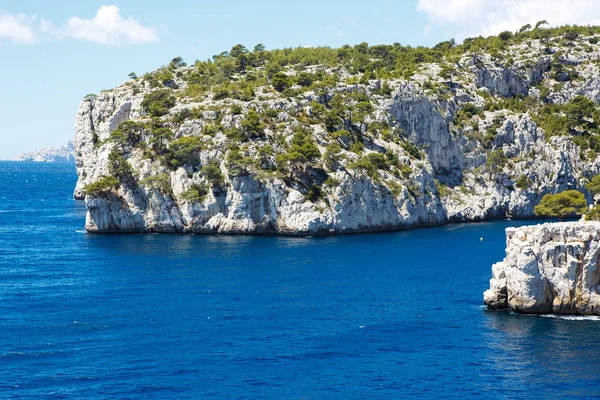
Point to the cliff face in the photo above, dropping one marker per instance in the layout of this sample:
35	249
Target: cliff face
392	153
549	268
62	154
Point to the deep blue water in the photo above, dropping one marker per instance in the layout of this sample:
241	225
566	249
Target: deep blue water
389	315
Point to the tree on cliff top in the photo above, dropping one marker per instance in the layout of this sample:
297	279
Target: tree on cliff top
569	203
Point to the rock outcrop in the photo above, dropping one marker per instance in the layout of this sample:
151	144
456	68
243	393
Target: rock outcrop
549	268
62	154
425	150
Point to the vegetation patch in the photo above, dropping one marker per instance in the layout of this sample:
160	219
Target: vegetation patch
159	102
103	185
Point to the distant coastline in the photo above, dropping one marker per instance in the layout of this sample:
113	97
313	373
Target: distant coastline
61	154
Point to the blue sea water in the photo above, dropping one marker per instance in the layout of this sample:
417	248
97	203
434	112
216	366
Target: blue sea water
390	315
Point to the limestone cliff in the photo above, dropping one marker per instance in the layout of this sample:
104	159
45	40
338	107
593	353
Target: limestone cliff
549	268
252	144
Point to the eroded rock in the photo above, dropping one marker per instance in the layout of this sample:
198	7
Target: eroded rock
548	268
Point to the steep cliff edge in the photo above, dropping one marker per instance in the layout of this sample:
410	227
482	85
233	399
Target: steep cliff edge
549	268
319	141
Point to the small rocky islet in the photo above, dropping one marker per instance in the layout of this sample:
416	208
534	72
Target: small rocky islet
310	141
549	268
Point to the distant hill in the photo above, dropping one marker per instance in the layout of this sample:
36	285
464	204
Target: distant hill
62	154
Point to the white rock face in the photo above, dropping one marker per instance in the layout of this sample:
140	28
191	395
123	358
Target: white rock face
62	154
549	268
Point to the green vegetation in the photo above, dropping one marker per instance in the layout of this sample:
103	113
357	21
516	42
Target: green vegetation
161	182
442	189
238	164
119	167
129	133
523	182
593	214
302	152
159	139
569	203
213	174
315	193
406	171
252	124
580	117
333	157
377	62
281	81
195	194
412	150
495	160
594	185
105	184
183	151
159	102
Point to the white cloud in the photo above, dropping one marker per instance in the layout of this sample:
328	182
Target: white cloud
350	21
464	18
106	27
334	30
17	28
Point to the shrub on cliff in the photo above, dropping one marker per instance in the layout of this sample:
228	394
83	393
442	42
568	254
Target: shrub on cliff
213	174
496	159
594	185
119	167
412	150
129	133
593	214
303	151
370	164
569	203
161	182
523	182
253	125
159	139
281	81
196	193
183	151
333	156
159	102
103	185
314	194
238	164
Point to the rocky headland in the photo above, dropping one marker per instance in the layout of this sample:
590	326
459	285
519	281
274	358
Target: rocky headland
61	154
356	139
549	268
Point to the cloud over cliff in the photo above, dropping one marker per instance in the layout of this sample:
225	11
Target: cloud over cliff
465	18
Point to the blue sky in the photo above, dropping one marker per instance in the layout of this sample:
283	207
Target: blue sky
53	55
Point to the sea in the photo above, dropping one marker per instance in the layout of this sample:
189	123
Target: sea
371	316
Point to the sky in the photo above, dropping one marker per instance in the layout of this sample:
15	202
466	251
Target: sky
54	53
